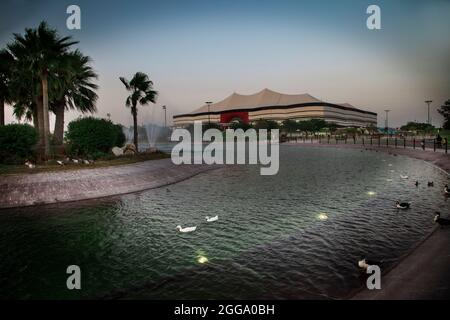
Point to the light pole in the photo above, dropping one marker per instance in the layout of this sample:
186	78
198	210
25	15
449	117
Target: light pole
386	123
428	102
165	116
209	115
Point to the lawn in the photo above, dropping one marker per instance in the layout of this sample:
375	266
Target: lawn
52	166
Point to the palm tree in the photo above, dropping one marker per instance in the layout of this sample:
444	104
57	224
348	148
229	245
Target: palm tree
6	64
38	51
26	94
73	89
141	88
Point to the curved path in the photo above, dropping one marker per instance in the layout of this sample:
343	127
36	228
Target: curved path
20	190
423	273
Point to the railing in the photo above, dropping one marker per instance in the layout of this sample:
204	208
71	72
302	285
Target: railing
378	141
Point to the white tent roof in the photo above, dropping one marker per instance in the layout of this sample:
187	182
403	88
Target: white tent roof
263	98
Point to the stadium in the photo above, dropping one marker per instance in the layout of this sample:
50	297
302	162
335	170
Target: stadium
271	105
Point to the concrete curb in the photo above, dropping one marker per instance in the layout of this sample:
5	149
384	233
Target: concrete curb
23	190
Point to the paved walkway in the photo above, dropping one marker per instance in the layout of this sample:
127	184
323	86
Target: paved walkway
50	187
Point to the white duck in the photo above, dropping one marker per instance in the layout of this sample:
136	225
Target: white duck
365	263
187	229
404	176
212	219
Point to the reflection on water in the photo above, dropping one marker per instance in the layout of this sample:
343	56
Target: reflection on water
298	234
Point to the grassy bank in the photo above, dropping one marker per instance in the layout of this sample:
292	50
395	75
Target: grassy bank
52	166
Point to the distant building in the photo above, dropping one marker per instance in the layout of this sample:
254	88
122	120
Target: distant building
271	105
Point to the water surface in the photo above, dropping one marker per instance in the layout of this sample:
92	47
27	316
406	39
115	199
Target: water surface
295	235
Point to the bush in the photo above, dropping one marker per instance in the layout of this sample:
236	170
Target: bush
93	137
17	142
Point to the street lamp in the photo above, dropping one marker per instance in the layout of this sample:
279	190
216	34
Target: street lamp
209	115
428	103
386	123
165	116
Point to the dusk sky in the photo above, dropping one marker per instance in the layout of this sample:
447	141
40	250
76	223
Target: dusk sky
197	51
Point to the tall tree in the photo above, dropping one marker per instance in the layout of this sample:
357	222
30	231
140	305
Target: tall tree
444	111
72	88
290	126
6	65
38	51
141	91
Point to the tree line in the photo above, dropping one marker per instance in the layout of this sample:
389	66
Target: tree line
42	72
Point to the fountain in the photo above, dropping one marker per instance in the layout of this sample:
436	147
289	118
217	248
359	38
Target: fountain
128	132
153	131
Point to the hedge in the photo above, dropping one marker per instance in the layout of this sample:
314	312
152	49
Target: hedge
17	142
92	136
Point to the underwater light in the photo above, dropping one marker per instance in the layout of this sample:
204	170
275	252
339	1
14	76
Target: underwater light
202	259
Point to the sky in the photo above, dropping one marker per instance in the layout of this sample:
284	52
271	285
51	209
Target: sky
197	51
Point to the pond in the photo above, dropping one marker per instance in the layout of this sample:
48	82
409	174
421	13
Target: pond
298	234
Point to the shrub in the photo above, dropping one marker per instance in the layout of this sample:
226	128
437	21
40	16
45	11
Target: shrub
17	142
92	137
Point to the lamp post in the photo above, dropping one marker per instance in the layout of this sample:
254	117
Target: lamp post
428	102
209	115
386	123
165	116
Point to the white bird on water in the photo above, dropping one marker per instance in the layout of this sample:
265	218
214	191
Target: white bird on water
365	263
187	229
404	177
212	219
